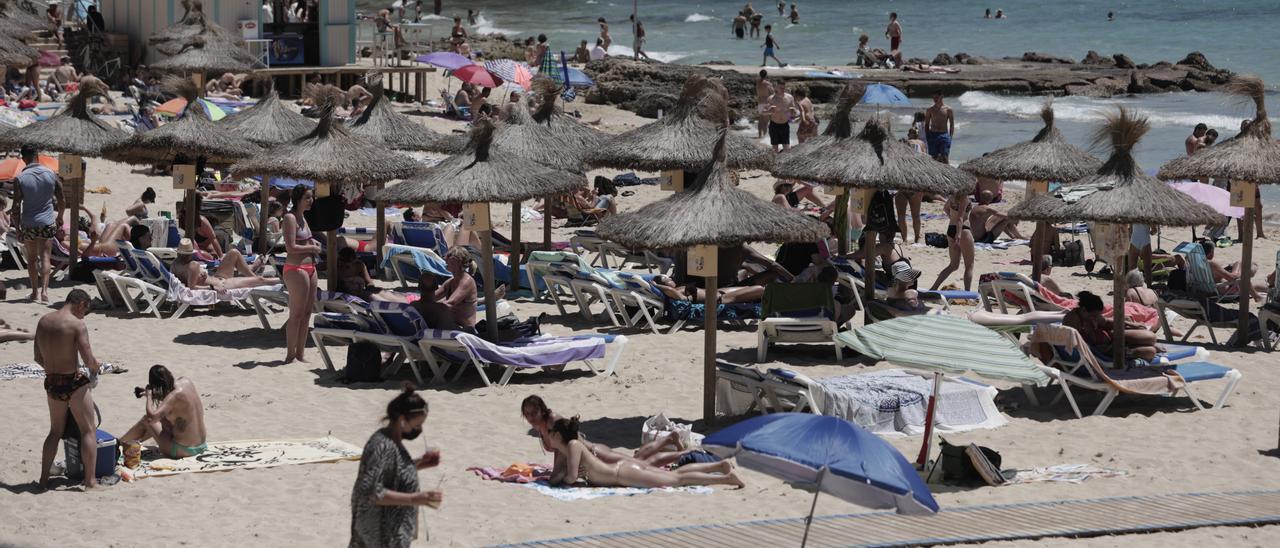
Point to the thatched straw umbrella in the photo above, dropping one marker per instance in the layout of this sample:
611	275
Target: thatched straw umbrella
1046	157
170	40
481	175
205	54
328	155
680	141
1134	198
871	160
268	123
16	53
73	132
710	211
191	138
1250	157
18	17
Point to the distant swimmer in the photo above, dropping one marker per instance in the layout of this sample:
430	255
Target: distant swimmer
740	26
987	15
999	14
1111	16
605	39
795	14
1195	141
782	6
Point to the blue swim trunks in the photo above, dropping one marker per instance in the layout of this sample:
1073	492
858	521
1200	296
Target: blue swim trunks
939	143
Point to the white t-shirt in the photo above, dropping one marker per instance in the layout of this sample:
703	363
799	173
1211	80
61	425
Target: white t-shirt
597	53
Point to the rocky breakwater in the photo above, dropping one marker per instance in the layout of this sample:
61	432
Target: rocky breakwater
646	87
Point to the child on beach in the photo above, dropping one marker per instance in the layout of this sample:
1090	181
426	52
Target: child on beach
769	45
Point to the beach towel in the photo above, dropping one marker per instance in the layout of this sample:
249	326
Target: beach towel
1151	381
424	262
535	352
34	371
207	297
569	494
516	473
894	401
1133	312
247	455
1061	473
1000	244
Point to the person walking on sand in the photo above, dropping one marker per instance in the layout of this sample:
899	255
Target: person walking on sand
763	90
894	33
781	108
385	497
940	129
173	416
61	337
770	45
638	31
37	204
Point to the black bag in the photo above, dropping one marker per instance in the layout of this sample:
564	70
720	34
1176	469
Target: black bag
364	363
326	213
510	328
957	466
935	239
881	217
1070	254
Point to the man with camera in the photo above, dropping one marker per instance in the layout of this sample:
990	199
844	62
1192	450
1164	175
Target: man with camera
174	418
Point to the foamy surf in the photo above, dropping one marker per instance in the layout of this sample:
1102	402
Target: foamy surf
1084	109
485	26
663	56
698	18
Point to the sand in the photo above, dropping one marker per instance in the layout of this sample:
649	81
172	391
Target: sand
1166	445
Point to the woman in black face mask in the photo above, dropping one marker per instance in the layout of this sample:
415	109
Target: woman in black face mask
385	498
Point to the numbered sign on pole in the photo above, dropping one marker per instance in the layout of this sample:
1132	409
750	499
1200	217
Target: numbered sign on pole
322	190
1112	241
860	200
184	176
1244	194
70	167
475	217
1037	187
671	180
702	260
833	190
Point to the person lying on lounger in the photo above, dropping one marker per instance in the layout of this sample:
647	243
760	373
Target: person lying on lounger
224	277
691	293
582	464
1096	330
174	417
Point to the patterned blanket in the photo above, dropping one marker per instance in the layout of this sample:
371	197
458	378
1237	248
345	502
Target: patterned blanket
247	455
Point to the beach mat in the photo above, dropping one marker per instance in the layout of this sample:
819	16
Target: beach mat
533	476
34	371
247	455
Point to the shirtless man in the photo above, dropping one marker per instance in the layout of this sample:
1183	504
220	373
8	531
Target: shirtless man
894	33
740	26
174	417
989	224
940	128
795	14
781	107
1195	141
763	90
61	336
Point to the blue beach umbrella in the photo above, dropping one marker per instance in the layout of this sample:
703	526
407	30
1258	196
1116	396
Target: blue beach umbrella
837	456
884	95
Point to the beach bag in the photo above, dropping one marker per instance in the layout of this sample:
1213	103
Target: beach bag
364	363
326	213
935	239
881	217
969	464
659	425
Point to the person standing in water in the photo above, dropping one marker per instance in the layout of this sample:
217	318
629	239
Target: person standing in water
61	338
782	6
740	26
605	39
770	45
795	14
638	31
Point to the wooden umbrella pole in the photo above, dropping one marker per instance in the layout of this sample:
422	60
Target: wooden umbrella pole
1117	309
189	203
1246	278
486	269
842	223
74	229
514	259
1038	240
264	211
380	232
709	352
869	274
546	224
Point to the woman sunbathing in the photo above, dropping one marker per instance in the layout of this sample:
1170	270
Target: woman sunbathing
582	464
194	275
725	295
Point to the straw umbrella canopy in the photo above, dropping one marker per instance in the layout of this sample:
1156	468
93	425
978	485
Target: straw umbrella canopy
1046	157
170	40
203	54
1251	156
711	211
481	175
20	18
1134	198
328	154
379	123
16	53
678	142
74	130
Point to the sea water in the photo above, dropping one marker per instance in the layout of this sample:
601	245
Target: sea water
1234	34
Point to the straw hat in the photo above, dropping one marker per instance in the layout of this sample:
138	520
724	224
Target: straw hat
185	247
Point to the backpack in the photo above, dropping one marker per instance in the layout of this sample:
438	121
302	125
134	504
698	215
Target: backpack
881	217
364	363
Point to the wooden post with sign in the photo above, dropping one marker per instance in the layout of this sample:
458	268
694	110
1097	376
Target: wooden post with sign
1244	194
184	178
672	180
1116	252
71	170
1043	234
475	217
702	261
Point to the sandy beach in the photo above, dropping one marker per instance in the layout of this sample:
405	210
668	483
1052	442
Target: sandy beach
1165	445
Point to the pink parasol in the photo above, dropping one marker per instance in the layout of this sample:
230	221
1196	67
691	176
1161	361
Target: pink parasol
1217	198
477	75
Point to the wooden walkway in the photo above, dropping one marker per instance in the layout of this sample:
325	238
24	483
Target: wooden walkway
1070	518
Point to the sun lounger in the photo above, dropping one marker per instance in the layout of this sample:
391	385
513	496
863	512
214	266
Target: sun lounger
406	263
1011	288
636	292
156	286
339	327
792	313
540	265
530	353
587	240
739	389
1201	303
1155	381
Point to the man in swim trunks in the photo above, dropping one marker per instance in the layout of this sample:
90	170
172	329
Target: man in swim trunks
940	128
174	417
781	108
770	46
61	337
894	33
740	26
37	204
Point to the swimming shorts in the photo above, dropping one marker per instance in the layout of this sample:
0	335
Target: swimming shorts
61	386
939	143
740	32
779	134
38	232
894	42
768	52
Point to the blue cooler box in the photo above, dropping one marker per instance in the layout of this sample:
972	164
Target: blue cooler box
106	463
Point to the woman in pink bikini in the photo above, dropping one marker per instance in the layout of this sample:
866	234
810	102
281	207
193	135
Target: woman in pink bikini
299	273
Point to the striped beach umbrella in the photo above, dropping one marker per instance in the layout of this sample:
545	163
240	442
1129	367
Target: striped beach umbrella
514	73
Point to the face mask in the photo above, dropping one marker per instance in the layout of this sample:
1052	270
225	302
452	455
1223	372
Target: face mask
412	434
